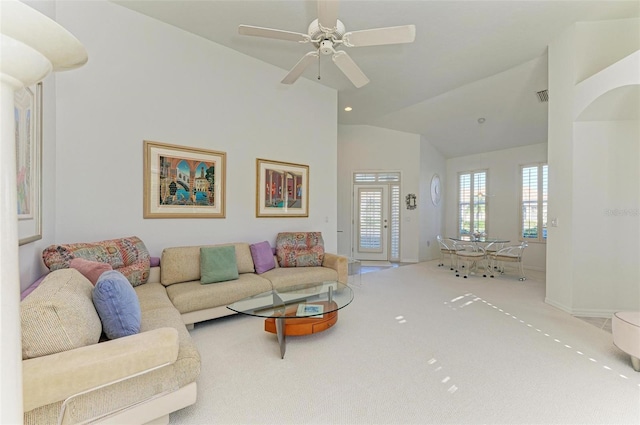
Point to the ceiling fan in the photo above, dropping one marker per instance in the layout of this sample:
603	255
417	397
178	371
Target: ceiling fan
328	32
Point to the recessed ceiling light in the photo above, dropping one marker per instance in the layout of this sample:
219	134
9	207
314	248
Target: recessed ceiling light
348	109
481	120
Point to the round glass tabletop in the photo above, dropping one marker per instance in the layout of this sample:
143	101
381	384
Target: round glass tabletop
299	301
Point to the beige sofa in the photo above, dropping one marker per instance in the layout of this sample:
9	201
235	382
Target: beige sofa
140	378
131	380
179	272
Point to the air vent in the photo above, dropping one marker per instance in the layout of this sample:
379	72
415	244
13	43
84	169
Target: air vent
543	96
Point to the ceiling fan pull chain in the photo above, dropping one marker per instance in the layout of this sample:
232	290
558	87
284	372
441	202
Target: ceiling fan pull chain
318	67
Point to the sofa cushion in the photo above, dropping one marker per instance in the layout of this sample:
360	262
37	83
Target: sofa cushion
286	277
90	269
182	264
262	255
300	249
157	312
59	315
193	296
117	305
218	264
127	255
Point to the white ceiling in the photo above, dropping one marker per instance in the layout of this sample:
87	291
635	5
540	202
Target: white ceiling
471	59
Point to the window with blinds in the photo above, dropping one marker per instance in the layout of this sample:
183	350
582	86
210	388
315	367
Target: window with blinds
472	203
533	202
370	220
395	223
381	177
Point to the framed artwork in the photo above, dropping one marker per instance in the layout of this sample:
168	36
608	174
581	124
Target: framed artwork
183	182
28	132
282	189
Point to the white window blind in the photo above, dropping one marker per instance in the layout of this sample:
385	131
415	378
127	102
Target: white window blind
370	220
464	204
381	177
395	223
533	202
472	203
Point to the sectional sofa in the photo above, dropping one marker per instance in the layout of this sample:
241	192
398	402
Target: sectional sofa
73	374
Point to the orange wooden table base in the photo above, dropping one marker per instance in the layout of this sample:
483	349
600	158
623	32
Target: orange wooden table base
303	325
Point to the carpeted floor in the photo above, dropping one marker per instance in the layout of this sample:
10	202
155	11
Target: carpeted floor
419	346
376	263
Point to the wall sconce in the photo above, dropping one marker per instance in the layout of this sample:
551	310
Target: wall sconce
410	199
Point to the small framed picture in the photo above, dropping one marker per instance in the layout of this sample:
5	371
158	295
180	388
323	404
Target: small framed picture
282	189
28	130
183	182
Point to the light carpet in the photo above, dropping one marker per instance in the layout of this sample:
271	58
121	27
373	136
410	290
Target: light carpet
419	346
375	263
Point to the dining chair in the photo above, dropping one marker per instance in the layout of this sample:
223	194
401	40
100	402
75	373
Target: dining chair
469	257
491	248
508	254
447	248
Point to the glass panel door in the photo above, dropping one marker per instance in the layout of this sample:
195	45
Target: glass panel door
372	222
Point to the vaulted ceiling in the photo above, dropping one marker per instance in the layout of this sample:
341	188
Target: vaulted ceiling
471	60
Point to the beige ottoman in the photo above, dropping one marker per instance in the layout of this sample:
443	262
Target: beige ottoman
626	335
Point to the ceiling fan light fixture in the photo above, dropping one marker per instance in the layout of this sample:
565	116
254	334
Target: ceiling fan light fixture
326	47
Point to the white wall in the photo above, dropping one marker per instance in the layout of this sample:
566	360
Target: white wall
599	44
594	179
606	243
146	80
432	217
503	187
559	290
367	148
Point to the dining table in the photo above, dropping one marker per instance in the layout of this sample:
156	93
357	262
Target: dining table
486	241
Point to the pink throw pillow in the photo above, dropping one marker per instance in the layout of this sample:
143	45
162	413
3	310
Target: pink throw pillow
90	269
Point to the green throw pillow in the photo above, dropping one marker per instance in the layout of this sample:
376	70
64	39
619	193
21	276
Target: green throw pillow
218	264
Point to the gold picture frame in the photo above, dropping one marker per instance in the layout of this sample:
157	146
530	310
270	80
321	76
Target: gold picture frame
183	182
28	131
282	189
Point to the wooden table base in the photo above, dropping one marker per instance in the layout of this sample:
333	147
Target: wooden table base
296	326
303	326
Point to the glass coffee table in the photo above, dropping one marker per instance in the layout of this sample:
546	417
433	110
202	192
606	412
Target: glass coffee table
297	310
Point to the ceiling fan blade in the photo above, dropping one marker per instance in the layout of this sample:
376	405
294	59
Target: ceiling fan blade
349	68
271	33
328	13
380	36
299	68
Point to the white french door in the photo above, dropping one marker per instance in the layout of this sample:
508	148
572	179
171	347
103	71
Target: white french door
371	219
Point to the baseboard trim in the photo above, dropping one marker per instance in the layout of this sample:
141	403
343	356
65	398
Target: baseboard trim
605	314
580	312
558	305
